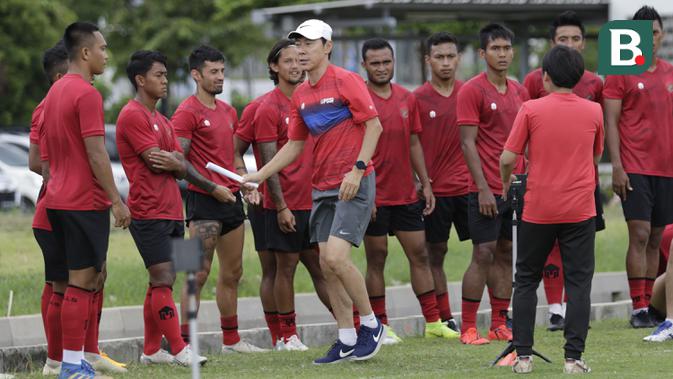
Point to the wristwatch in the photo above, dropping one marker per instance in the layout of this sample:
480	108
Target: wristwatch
360	165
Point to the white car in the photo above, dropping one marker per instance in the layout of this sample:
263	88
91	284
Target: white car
14	164
9	197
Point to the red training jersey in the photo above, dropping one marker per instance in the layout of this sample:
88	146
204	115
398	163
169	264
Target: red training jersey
152	196
334	111
440	139
589	87
211	132
73	111
246	131
646	120
271	124
40	219
394	176
481	105
562	133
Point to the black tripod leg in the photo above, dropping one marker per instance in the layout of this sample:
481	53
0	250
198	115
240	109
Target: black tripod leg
541	356
508	349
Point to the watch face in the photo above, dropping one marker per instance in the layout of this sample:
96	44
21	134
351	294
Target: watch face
361	165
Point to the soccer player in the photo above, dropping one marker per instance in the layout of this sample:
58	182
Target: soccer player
487	105
80	190
287	199
639	131
55	65
444	159
567	30
660	309
562	135
205	128
333	105
150	153
398	209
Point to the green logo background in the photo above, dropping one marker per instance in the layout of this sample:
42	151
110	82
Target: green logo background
643	28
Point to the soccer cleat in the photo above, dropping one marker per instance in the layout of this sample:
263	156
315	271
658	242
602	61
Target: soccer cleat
339	352
471	337
575	366
102	362
452	324
500	333
242	347
508	360
655	315
369	341
74	371
51	367
438	329
279	346
523	365
664	332
391	338
160	357
87	366
293	344
641	320
556	322
184	358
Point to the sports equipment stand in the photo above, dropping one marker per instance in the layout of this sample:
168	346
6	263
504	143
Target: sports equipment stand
516	192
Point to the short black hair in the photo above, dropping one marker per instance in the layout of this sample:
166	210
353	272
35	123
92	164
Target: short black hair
567	18
564	66
438	39
76	35
55	60
491	32
204	53
648	13
141	62
376	44
274	56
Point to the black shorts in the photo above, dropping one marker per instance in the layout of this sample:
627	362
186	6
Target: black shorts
651	200
205	207
449	210
600	220
257	218
288	242
393	218
154	239
82	236
486	229
55	266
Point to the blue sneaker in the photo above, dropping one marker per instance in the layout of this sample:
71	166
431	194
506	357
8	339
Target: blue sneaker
339	352
73	371
664	332
369	341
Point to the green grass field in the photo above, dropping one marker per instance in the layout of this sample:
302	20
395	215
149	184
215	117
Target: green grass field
419	358
21	264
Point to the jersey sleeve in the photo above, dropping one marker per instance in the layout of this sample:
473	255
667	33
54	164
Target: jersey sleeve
355	92
414	115
245	130
598	92
297	130
184	122
518	137
265	123
91	117
599	142
36	121
137	132
468	106
531	82
614	87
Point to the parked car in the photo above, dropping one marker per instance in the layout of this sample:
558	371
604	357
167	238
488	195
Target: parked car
9	196
14	163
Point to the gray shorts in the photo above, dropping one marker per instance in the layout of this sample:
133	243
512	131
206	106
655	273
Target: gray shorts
347	220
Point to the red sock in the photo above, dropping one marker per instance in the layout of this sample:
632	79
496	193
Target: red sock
75	313
273	325
444	306
152	334
378	304
356	319
165	315
91	341
47	291
637	291
288	326
469	310
54	334
552	276
429	308
184	332
498	311
649	283
230	330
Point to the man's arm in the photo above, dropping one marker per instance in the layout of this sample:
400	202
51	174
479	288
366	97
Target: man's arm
351	183
507	163
34	163
267	151
240	147
282	159
100	165
468	138
620	181
221	193
418	165
165	161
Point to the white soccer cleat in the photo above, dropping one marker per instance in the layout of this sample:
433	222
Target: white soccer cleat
391	338
158	358
51	367
664	332
294	344
575	366
184	358
242	347
101	362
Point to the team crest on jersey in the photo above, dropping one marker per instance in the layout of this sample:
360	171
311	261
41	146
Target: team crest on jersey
206	122
303	106
156	127
494	106
669	87
641	85
590	97
287	121
327	100
433	114
404	112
